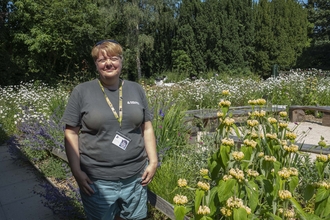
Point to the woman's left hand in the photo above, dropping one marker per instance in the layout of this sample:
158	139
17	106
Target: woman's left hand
148	174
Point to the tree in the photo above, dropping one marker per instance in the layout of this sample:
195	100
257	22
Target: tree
281	34
137	14
54	37
236	30
163	30
264	36
317	56
10	72
185	38
319	15
216	35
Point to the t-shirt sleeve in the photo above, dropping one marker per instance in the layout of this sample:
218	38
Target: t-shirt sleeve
72	113
148	116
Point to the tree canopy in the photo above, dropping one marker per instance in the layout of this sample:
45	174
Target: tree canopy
48	39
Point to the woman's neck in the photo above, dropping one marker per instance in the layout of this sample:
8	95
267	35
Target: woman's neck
113	85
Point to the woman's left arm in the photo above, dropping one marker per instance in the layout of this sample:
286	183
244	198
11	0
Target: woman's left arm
150	146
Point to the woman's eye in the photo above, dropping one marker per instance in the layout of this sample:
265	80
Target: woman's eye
114	58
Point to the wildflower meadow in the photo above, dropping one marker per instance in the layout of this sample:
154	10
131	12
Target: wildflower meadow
262	176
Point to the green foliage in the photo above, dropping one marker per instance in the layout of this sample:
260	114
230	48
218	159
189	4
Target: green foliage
257	179
68	81
155	214
281	34
8	118
318	10
181	64
168	122
3	135
34	154
170	168
46	39
50	37
54	167
315	56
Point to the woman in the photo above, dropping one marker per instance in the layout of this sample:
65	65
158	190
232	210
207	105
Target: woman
109	140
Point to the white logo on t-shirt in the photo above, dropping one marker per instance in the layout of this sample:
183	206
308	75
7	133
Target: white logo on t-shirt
133	103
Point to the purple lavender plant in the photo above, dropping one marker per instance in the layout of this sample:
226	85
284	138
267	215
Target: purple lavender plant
64	206
39	133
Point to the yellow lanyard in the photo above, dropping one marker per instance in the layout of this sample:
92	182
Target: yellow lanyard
120	117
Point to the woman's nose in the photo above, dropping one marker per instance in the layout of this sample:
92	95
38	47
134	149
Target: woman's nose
108	62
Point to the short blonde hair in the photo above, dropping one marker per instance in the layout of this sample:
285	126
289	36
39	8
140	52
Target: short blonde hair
108	47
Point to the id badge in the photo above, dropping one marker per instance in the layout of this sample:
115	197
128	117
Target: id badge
121	140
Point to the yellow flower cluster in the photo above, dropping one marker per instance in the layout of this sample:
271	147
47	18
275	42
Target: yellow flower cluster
270	158
283	114
225	92
226	212
250	143
291	148
203	185
261	154
252	173
290	135
228	142
324	184
259	114
224	103
237	173
294	171
182	182
322	158
252	123
180	199
238	155
283	125
254	135
204	172
284	194
232	203
220	114
203	210
285	173
229	121
257	102
289	213
272	120
227	177
271	136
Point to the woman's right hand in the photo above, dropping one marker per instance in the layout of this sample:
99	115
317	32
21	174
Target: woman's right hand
72	152
83	182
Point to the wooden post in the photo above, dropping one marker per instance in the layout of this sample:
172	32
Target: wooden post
326	119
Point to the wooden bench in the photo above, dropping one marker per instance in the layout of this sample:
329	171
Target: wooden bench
297	113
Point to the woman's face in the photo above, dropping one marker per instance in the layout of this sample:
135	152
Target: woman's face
109	67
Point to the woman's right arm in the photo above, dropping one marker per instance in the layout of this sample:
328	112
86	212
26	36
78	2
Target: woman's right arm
73	155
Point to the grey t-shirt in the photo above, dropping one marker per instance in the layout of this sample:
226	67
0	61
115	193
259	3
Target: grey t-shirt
99	157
